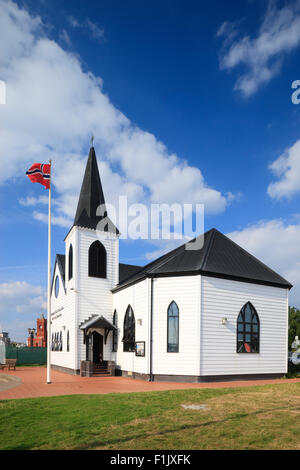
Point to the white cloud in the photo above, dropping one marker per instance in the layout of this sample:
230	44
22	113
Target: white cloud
21	303
33	201
56	220
261	55
65	38
22	297
287	168
92	29
277	245
53	107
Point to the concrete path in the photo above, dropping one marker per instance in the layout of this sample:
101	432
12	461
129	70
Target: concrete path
29	382
8	381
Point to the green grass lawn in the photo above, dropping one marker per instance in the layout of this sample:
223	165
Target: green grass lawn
264	417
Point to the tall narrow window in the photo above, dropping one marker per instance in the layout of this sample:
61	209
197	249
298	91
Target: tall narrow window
68	341
115	332
97	260
129	331
56	286
70	262
248	330
173	328
56	342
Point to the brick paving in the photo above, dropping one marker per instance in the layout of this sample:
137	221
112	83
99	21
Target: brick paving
33	384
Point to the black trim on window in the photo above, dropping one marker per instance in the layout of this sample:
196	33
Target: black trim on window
247	330
129	331
70	262
173	324
97	260
56	286
115	333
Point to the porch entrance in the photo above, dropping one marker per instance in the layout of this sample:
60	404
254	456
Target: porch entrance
94	342
97	352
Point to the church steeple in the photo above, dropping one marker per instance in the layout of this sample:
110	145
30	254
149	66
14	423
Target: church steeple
91	197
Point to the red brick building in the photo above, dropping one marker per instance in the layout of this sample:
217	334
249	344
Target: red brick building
38	337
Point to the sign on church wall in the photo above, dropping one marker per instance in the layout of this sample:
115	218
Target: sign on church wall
140	348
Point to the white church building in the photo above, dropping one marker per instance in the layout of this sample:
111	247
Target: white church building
216	313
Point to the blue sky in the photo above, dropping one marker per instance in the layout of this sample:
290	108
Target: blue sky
188	101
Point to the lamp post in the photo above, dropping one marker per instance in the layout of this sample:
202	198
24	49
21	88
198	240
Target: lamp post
31	332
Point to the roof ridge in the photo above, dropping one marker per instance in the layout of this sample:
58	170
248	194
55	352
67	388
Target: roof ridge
254	257
208	248
176	251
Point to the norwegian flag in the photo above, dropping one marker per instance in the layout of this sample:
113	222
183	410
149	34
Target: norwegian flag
40	173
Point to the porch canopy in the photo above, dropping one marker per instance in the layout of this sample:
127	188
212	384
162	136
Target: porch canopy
95	323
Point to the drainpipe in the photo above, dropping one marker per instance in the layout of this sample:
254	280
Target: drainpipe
151	378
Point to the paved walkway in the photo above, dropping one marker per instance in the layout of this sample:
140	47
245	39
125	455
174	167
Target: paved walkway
33	384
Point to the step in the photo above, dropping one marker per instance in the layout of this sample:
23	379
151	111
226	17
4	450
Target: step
101	375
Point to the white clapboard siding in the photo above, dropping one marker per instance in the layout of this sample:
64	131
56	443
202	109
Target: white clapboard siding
185	291
93	295
63	314
224	299
138	297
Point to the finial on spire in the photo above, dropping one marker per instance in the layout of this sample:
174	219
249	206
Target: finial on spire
92	141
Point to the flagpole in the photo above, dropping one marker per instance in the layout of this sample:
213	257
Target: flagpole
49	286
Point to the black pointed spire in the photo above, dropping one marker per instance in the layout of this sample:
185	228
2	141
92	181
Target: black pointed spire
91	197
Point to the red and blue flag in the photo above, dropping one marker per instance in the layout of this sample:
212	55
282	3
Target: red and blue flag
40	173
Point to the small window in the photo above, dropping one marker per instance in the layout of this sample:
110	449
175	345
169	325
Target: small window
56	286
55	342
173	328
115	333
68	341
248	330
70	262
129	331
97	260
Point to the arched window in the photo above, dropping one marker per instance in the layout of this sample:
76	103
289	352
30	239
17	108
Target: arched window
173	328
115	332
70	262
97	260
56	287
129	331
248	330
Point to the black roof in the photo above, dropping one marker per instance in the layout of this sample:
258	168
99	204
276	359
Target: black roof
91	197
60	260
218	257
127	270
97	321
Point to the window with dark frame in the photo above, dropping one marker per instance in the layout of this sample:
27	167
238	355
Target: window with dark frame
68	341
56	287
115	333
70	262
173	328
97	260
129	331
248	330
